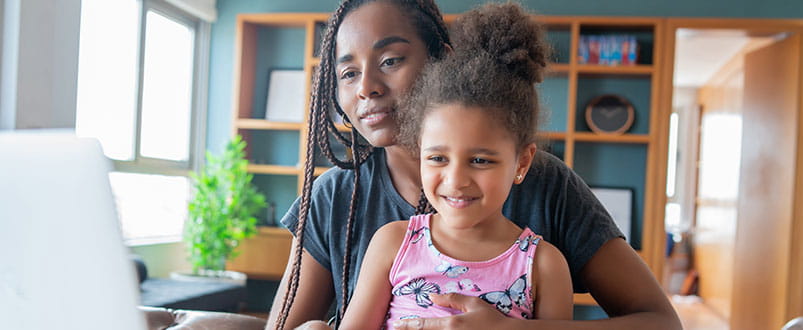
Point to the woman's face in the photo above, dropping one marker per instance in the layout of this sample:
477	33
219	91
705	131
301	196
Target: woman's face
378	57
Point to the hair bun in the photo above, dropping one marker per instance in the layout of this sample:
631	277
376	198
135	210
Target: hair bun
507	33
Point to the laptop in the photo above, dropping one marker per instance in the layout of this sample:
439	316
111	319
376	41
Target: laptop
63	264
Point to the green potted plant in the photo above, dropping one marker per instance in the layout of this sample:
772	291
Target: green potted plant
222	212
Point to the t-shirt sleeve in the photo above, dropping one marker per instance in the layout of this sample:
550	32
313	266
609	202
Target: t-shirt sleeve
577	222
316	231
589	226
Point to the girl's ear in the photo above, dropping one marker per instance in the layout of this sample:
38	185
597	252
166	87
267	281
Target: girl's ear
526	157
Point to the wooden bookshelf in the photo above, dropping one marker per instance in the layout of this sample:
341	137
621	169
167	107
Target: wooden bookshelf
576	83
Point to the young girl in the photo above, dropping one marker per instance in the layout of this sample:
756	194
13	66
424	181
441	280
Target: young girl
371	53
472	119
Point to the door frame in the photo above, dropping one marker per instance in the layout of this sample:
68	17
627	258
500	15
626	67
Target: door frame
795	299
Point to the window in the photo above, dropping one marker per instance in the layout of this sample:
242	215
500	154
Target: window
718	181
141	86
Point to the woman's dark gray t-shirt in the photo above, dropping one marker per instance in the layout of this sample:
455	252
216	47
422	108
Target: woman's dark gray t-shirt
553	201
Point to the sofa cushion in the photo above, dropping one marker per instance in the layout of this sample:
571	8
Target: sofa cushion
163	318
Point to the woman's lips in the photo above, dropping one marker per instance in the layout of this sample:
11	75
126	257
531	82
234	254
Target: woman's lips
375	117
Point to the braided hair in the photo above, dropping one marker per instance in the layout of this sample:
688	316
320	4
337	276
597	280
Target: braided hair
430	27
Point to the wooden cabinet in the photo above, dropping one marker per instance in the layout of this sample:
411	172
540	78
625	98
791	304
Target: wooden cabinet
632	160
263	256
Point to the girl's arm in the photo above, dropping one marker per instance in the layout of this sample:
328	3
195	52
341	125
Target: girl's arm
552	284
369	304
314	295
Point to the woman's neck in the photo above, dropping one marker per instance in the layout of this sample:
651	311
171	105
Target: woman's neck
404	173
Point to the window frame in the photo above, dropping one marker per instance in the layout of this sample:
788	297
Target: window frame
139	164
198	101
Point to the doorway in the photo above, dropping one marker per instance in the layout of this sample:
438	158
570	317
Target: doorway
719	70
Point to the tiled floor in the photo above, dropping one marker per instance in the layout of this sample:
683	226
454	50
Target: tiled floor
695	315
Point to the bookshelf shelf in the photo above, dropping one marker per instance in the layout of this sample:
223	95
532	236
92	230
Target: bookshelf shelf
261	124
624	138
272	169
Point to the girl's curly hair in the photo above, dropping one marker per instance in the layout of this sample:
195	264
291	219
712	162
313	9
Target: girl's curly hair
500	52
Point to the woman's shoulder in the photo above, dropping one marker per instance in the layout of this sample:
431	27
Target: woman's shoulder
546	164
547	175
336	177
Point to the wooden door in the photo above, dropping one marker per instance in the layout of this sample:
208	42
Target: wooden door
764	293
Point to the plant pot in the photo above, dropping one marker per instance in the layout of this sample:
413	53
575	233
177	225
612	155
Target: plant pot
226	276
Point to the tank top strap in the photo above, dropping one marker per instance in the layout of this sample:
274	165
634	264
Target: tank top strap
418	221
528	243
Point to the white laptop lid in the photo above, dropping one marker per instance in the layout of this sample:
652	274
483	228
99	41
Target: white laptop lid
62	261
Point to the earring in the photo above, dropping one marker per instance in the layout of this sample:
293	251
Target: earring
345	120
518	178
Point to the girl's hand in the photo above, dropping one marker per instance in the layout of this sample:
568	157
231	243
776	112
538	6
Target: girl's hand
477	314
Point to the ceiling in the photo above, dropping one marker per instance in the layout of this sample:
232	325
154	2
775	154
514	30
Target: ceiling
701	53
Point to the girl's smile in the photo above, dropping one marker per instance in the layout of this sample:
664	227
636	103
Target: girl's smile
468	164
459	202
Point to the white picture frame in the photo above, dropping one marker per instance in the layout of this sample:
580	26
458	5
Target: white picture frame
619	204
285	100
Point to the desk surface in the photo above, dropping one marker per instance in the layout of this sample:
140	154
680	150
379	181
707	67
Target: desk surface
208	296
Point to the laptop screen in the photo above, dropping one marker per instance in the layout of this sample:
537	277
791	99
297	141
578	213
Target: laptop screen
64	265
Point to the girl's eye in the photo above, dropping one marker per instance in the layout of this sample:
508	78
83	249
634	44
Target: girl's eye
437	159
392	61
480	161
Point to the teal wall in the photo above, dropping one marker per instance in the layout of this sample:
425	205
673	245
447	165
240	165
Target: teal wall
554	91
220	72
599	166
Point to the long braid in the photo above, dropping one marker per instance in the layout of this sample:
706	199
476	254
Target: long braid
299	233
321	95
423	205
327	84
349	228
320	125
430	9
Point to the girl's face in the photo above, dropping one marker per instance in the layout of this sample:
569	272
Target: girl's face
468	164
378	57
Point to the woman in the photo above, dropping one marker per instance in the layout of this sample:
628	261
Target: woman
372	53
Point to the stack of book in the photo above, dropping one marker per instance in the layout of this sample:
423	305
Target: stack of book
608	50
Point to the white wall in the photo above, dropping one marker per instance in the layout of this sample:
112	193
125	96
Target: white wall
38	76
686	104
161	259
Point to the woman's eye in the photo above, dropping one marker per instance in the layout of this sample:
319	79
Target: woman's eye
392	61
348	75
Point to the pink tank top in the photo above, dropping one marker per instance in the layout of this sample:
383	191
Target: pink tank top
420	269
